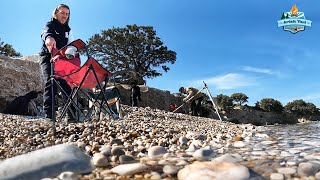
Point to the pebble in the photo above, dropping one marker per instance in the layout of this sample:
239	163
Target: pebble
276	176
204	154
183	140
213	170
125	159
287	170
100	160
68	176
156	151
308	168
129	169
229	158
239	144
192	148
117	151
170	169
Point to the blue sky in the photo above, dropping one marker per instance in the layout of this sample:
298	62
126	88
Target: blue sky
234	46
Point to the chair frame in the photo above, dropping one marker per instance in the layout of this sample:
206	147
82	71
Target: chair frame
102	106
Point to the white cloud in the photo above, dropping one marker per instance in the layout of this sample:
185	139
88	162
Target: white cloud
264	71
258	70
229	81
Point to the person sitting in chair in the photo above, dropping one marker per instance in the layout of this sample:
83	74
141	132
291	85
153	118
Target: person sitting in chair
194	97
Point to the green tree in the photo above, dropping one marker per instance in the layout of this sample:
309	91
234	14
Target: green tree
224	102
300	107
7	50
239	98
133	52
271	105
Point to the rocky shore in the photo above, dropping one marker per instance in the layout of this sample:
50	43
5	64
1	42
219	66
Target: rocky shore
154	144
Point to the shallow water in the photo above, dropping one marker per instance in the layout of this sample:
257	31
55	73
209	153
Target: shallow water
280	146
298	135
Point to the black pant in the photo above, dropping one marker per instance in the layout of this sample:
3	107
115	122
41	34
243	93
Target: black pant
135	95
196	107
133	101
47	95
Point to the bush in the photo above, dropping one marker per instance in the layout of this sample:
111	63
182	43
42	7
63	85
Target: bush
206	109
300	107
270	105
224	102
239	98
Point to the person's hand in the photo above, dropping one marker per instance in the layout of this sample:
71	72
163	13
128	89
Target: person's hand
54	59
50	43
184	99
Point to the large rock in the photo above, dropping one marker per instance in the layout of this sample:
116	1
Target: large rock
47	162
18	77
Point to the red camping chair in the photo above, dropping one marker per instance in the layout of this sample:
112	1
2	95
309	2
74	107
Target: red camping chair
88	76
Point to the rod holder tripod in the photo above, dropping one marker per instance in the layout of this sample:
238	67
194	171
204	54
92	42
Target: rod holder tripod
210	96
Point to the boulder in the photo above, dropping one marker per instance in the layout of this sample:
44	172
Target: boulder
47	162
18	77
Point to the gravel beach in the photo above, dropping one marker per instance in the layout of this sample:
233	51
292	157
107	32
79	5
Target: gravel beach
154	144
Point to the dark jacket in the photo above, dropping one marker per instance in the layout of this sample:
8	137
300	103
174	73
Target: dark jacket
135	93
60	32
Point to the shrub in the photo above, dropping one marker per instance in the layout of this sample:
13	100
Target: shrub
224	102
270	105
239	98
301	107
